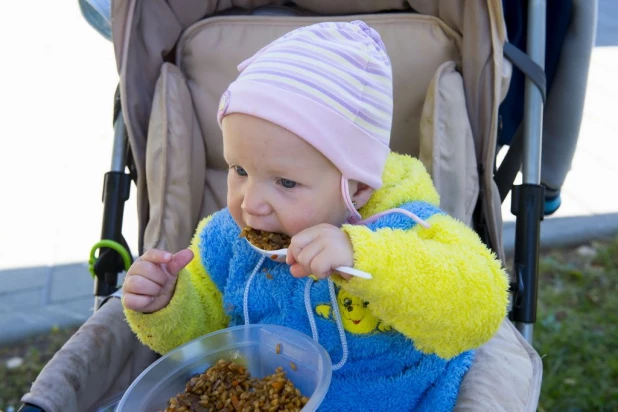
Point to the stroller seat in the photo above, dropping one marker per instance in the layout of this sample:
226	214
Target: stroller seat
449	78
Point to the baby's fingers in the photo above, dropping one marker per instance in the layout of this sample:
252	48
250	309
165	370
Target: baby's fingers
148	270
136	302
299	271
179	261
140	285
156	256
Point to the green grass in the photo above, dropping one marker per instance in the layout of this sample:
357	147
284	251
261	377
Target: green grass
577	329
576	334
35	352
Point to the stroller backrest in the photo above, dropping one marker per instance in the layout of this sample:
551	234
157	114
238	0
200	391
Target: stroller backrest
444	111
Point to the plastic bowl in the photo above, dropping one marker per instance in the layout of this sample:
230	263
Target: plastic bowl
254	346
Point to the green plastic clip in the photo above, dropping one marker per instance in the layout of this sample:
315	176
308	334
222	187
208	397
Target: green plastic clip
111	245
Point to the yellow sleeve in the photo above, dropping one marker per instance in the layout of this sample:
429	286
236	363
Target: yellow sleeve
440	286
195	309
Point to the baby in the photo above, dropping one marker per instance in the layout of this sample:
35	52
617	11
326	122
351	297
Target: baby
306	129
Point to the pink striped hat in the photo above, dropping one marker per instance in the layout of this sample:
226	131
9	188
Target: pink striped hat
329	83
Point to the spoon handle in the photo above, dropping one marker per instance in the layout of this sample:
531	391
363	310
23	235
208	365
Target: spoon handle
353	272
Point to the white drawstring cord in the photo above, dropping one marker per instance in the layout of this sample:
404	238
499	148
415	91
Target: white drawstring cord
312	323
344	341
336	315
309	310
245	297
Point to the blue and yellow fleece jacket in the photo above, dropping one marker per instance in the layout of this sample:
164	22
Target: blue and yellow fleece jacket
436	294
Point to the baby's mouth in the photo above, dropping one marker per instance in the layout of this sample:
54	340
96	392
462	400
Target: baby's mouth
265	240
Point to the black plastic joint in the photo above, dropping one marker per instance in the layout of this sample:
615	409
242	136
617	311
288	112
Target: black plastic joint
527	204
117	184
530	197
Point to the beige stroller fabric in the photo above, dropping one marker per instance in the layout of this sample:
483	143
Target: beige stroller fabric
99	361
449	80
144	35
207	62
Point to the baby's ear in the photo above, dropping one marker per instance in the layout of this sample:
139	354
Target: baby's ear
361	193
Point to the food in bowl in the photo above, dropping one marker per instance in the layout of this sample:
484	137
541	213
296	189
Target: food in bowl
266	240
228	386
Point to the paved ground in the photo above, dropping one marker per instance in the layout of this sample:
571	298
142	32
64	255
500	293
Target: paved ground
57	90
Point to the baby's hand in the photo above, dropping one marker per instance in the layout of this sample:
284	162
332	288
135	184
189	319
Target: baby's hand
151	280
318	251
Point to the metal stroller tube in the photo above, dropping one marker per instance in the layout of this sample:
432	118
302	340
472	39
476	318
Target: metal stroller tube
528	198
533	115
119	149
114	255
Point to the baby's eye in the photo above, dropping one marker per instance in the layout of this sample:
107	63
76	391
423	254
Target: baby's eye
287	183
239	170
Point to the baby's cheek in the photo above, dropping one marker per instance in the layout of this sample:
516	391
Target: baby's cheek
305	217
337	214
239	221
235	210
298	219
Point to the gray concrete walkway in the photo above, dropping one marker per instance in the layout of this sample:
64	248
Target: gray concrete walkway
58	99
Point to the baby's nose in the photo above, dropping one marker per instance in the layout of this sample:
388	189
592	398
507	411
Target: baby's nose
255	203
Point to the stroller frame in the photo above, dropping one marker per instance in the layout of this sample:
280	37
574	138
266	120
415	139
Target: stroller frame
527	198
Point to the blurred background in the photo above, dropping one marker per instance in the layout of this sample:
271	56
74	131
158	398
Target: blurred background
58	82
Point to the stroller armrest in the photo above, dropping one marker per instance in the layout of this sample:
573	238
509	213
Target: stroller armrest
100	360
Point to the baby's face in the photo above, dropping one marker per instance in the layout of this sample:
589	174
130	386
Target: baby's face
277	182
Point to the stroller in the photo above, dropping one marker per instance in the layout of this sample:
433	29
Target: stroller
175	60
